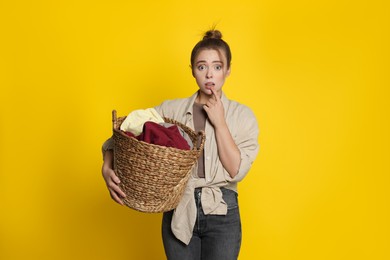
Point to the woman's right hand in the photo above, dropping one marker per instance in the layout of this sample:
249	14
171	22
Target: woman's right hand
111	179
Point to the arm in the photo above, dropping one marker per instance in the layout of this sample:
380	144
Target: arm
228	152
110	177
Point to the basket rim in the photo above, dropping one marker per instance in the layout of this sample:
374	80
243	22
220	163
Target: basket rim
194	148
186	128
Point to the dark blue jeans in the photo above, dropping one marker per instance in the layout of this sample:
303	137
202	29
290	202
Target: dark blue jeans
215	237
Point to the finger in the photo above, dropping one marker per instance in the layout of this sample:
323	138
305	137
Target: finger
117	190
115	178
206	108
215	95
116	198
211	101
209	106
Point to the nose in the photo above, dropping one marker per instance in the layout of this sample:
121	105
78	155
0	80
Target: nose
209	74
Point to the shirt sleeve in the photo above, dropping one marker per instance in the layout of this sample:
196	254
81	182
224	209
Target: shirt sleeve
107	145
163	109
246	139
159	109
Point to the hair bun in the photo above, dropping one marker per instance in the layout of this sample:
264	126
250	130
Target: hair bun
212	34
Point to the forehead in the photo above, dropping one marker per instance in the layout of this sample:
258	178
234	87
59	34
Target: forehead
210	55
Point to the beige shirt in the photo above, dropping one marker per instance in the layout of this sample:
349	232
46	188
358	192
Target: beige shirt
243	127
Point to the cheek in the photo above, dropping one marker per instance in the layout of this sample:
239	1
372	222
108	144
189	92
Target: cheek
198	80
221	76
197	77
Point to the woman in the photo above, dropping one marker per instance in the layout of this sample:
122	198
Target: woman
206	224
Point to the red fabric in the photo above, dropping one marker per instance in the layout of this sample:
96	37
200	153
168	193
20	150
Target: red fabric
155	133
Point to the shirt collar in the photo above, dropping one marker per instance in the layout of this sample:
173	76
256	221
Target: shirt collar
190	104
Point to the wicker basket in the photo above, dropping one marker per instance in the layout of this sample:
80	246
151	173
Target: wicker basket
153	177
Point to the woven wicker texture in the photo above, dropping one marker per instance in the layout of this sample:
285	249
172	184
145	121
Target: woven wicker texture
153	177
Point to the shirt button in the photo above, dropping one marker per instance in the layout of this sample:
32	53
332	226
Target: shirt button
208	158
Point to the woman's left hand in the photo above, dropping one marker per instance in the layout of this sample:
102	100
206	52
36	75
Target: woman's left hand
214	109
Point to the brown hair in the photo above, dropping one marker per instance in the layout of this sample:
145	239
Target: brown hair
212	39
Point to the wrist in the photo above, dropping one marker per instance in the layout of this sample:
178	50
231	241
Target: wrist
220	125
108	159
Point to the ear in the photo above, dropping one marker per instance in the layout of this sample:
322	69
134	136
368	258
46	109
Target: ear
192	71
228	72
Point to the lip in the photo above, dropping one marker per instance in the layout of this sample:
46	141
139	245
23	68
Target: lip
209	84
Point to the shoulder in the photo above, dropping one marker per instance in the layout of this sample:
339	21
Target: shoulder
241	120
235	108
173	108
173	103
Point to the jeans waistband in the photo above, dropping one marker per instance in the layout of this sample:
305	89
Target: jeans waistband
229	196
224	190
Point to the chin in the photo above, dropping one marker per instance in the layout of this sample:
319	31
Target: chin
206	91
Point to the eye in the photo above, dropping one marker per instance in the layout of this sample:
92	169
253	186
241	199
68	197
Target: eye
218	67
202	67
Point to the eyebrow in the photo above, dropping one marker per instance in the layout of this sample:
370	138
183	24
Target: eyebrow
203	61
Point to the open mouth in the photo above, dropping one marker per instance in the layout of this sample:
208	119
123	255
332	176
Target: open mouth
209	84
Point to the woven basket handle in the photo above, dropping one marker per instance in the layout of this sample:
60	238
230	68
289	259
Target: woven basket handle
114	119
202	135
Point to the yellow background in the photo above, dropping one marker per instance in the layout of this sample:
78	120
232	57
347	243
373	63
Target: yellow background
316	74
